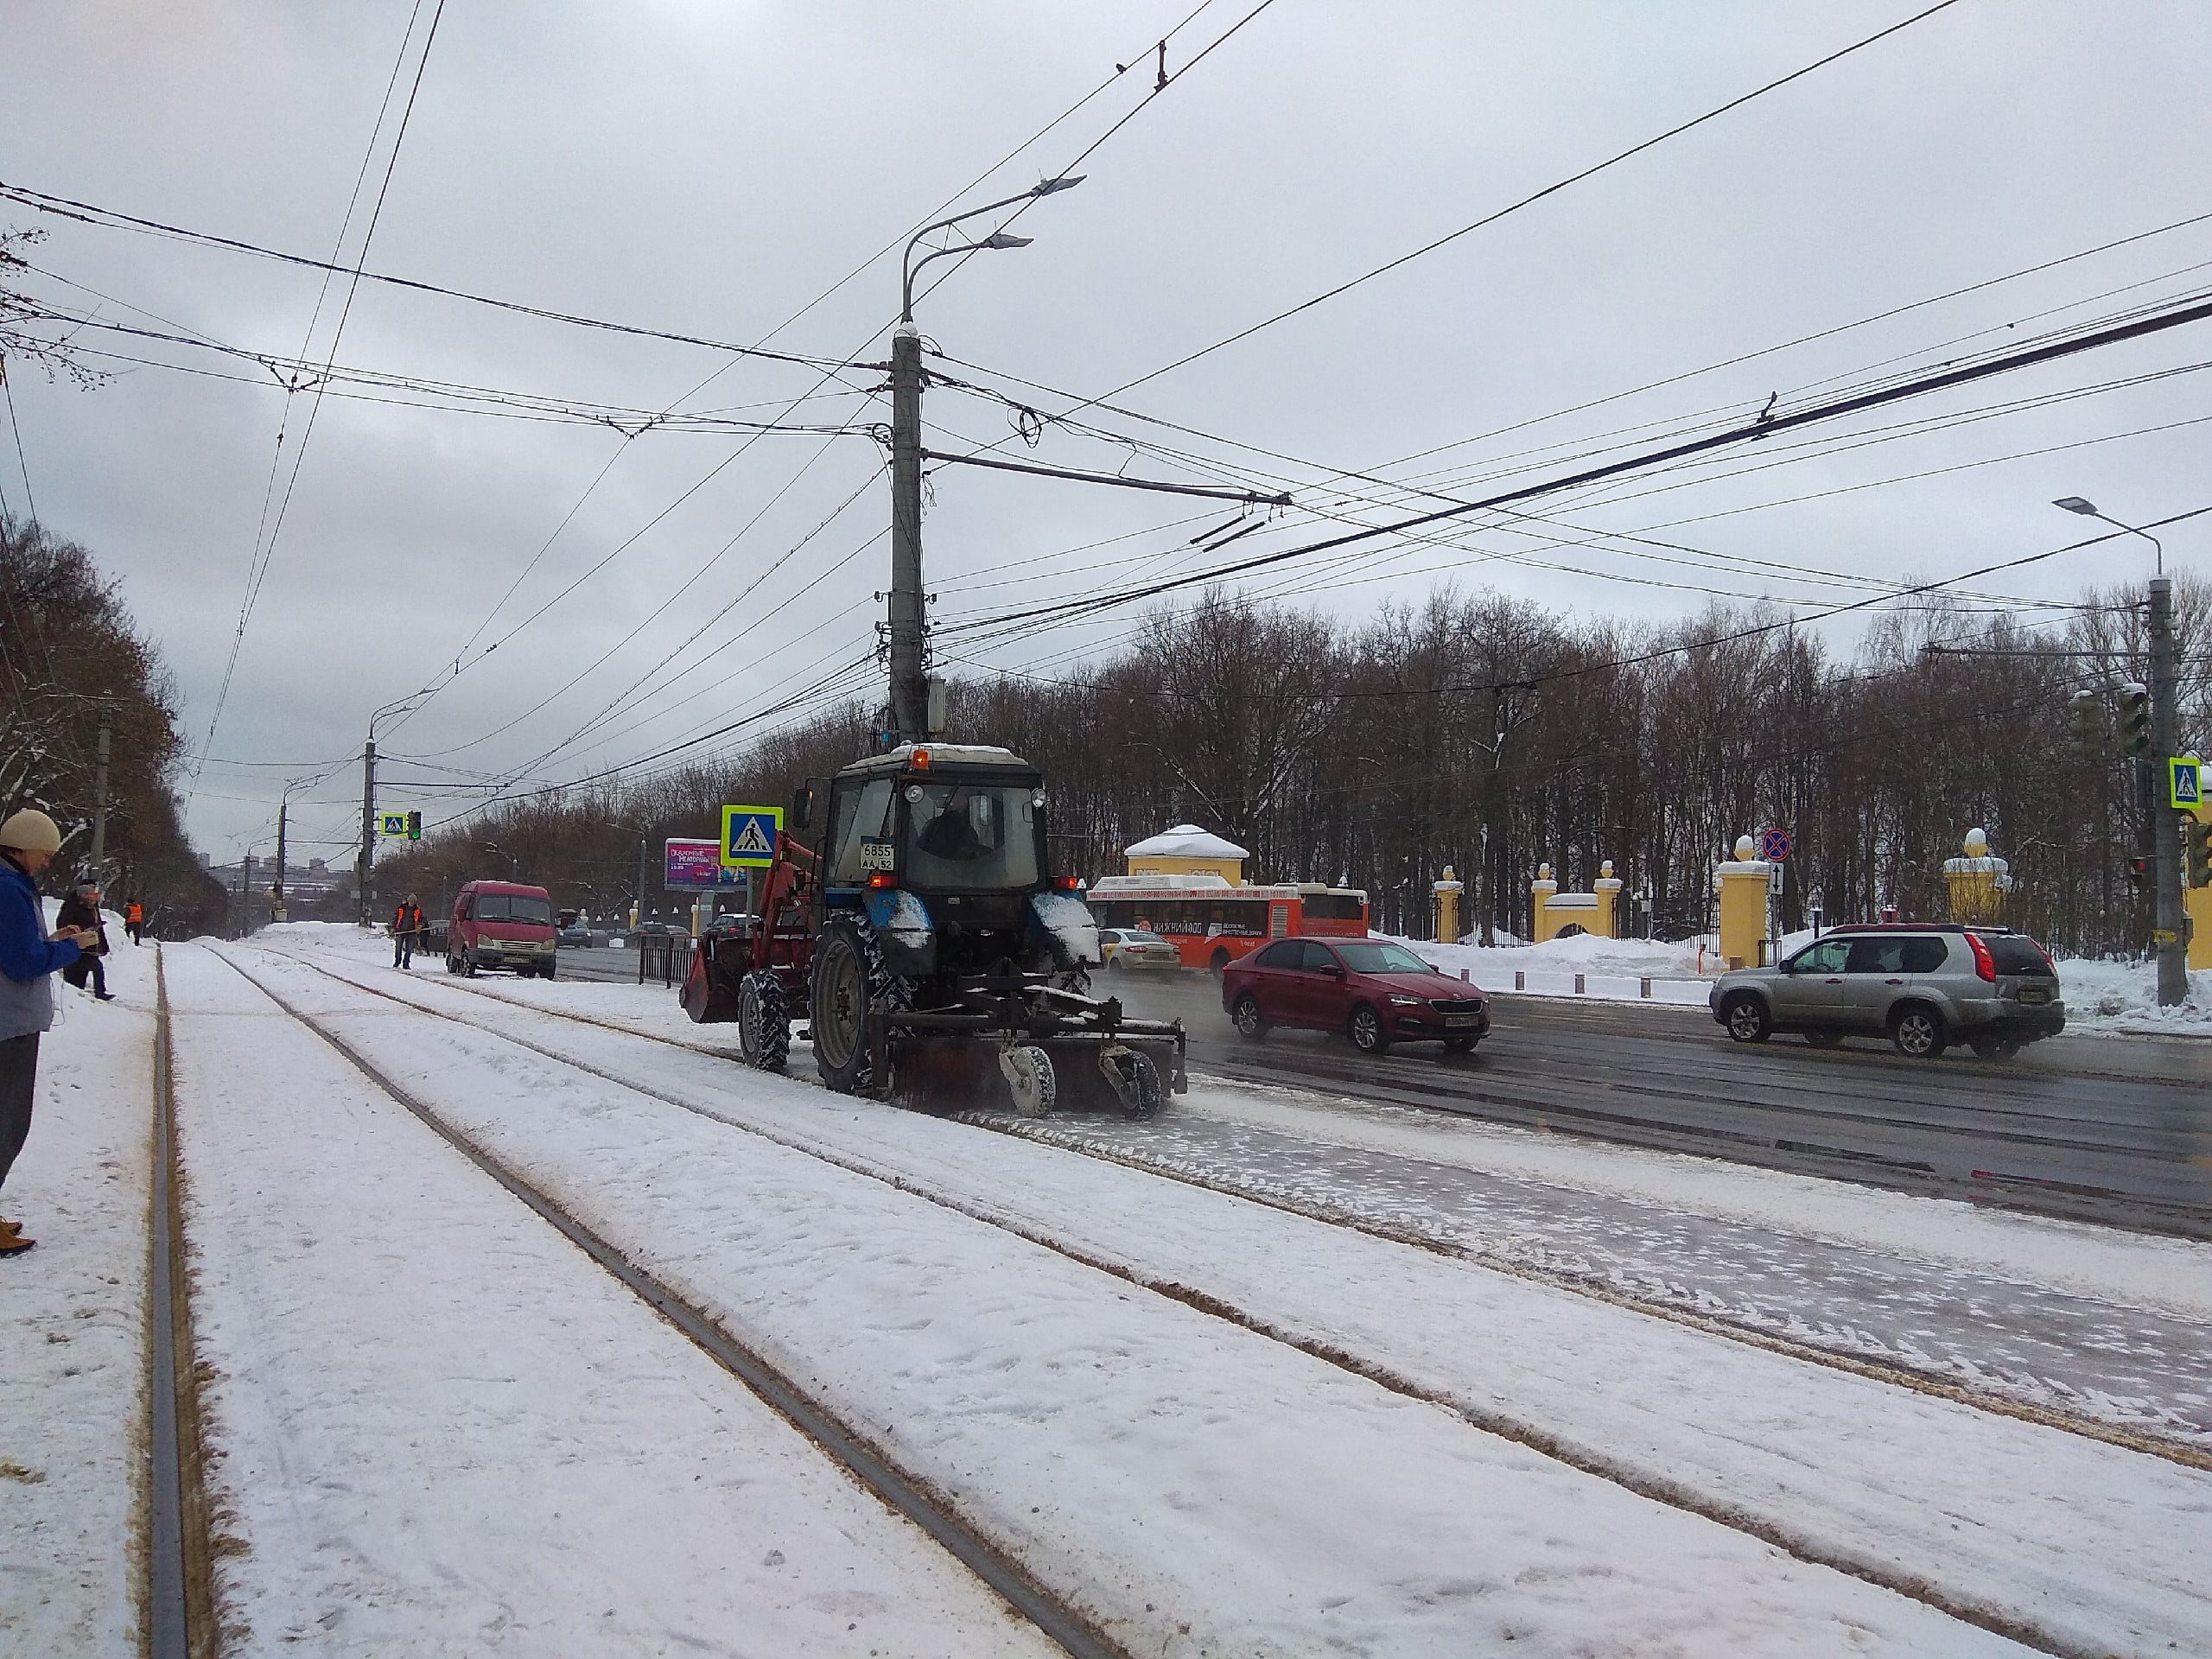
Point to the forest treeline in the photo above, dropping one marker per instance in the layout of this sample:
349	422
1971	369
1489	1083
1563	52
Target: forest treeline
1489	734
69	651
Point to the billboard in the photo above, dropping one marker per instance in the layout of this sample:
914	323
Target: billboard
696	866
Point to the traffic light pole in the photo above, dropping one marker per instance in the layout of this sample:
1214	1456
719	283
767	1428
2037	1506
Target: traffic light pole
2172	950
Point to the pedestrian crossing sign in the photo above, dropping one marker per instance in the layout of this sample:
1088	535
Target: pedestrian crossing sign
2185	781
391	824
749	835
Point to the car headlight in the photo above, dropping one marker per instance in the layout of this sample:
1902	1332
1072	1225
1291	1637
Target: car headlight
1397	1001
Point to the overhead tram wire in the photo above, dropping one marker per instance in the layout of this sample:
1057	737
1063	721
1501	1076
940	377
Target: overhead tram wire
1399	491
1753	630
1110	131
463	663
1530	200
266	547
1756	429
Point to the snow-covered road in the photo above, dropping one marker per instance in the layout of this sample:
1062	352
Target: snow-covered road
2087	1542
1211	1422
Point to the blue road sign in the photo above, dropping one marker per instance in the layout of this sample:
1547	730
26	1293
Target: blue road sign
2184	781
749	835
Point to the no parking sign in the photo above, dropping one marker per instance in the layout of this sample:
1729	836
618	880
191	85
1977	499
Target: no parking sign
1775	845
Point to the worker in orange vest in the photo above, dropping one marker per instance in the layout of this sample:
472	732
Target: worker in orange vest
406	928
134	919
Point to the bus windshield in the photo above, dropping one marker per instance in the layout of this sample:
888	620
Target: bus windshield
971	836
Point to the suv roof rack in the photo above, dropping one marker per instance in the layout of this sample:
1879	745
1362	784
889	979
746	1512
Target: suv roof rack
1918	927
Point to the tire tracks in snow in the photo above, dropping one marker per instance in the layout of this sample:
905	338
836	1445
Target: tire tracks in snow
1644	1482
1895	1373
908	1494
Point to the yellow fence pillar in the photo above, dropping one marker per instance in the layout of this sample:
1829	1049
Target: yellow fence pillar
1540	892
1976	885
1608	889
1447	907
1742	882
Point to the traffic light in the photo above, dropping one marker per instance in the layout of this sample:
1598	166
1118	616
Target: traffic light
2085	720
2135	717
414	826
2196	850
2139	871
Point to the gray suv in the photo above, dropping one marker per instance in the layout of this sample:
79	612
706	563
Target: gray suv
1923	986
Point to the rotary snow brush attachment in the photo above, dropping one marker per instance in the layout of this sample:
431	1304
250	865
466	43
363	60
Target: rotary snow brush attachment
1035	1048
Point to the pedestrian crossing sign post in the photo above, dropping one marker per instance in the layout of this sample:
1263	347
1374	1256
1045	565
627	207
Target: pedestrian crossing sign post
2185	782
749	835
400	826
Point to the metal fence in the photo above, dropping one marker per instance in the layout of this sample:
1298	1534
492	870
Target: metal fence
657	955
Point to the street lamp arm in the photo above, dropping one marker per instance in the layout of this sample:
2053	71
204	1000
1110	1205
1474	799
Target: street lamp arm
996	239
908	264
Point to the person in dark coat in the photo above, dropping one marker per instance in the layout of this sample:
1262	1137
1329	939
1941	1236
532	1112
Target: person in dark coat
29	841
406	928
81	910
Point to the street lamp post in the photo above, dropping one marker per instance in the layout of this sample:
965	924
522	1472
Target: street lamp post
910	690
2168	916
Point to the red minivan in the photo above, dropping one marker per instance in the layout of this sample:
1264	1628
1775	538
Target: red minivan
501	924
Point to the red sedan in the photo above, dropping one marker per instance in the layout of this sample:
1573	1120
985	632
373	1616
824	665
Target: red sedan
1375	993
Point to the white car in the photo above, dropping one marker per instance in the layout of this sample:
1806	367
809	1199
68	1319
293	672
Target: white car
1129	947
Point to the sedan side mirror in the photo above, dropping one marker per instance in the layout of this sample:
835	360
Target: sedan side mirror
1333	971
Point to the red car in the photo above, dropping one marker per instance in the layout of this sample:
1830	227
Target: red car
1374	992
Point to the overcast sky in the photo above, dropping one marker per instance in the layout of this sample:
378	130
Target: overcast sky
718	169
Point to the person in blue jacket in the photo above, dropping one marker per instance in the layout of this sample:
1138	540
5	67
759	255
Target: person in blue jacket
28	840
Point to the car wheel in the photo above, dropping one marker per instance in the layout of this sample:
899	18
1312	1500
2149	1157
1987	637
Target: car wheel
1461	1044
1251	1023
1219	965
1366	1031
1823	1039
1918	1033
1745	1016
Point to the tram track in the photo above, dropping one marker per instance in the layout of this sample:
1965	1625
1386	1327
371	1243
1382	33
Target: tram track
1708	1503
181	1619
1890	1372
906	1493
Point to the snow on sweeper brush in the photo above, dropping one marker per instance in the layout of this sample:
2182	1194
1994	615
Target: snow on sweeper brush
934	956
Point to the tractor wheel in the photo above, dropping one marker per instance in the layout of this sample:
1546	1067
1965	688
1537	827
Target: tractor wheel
1823	1039
850	981
1461	1044
1144	1103
764	1025
1995	1048
1030	1079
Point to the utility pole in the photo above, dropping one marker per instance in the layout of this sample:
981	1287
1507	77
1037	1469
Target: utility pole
2172	950
99	796
914	709
365	866
276	898
909	682
638	909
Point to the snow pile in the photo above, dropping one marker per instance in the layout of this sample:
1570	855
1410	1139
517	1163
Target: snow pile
2123	997
1612	969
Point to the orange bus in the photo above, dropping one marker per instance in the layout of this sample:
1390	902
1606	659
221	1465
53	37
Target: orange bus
1210	922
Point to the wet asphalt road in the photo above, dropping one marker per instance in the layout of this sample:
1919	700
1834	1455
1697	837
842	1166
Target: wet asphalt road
2114	1130
2105	1129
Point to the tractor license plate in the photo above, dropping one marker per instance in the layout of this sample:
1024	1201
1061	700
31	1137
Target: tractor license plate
1454	1021
2035	996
